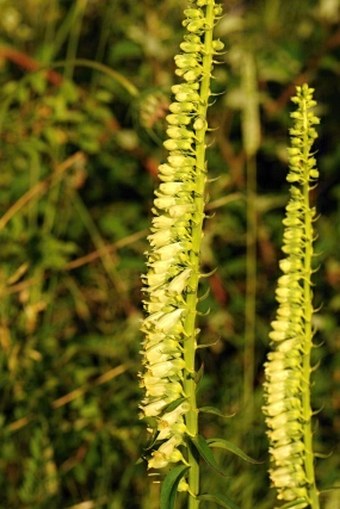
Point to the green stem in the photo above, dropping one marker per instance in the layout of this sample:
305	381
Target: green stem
83	62
107	258
250	306
251	142
250	313
192	298
74	38
308	337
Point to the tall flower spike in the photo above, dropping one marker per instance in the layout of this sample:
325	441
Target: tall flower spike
170	285
287	370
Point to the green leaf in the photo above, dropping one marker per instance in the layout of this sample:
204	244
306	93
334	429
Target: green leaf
174	404
152	439
204	296
320	454
328	490
208	274
220	500
116	76
229	446
169	486
214	411
204	313
199	374
202	447
292	504
207	345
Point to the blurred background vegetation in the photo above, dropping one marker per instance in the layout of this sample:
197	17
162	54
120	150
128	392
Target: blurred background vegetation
84	90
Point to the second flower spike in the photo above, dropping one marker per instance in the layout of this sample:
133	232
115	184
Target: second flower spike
288	368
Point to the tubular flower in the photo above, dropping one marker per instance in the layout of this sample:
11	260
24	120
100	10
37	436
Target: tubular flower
287	370
176	232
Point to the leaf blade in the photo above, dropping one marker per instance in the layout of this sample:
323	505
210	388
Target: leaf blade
229	446
221	500
169	486
293	503
203	449
214	411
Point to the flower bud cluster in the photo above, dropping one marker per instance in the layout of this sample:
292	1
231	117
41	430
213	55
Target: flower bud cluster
302	164
285	415
170	258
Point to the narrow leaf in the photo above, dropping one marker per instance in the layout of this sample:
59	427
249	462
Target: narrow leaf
174	404
204	313
202	447
207	345
328	490
169	487
204	296
322	455
294	503
208	274
220	500
199	374
229	446
152	440
214	411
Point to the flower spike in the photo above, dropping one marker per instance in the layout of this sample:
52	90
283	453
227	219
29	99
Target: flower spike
171	283
287	370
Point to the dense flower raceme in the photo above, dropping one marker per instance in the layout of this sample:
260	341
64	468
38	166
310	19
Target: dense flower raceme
286	373
172	257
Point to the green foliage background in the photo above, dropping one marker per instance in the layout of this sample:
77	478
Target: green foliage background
79	149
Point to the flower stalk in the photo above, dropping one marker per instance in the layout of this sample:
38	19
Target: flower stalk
288	368
173	260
